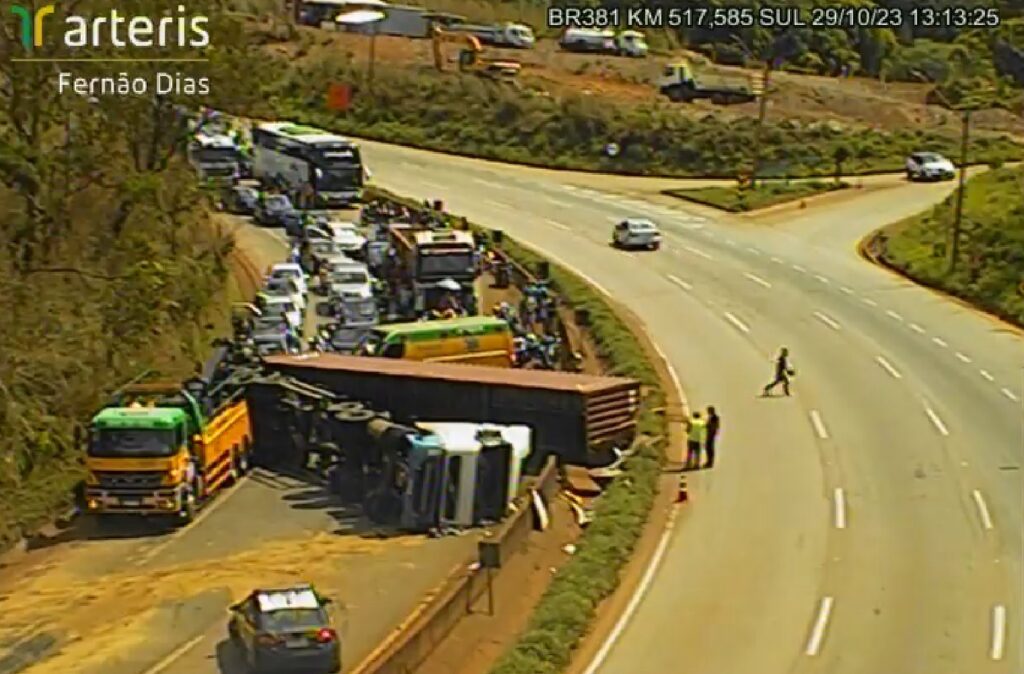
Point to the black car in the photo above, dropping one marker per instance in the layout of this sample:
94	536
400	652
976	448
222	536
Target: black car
273	211
241	200
285	629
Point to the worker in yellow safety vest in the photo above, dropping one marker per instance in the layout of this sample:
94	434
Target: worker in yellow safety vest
696	428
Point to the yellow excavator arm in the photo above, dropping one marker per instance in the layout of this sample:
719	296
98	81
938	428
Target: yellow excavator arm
469	57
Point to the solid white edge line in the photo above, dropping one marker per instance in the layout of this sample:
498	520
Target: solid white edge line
887	366
634	602
998	632
840	499
1009	394
679	282
983	513
963	358
758	280
820	624
819	425
174	655
740	325
827	320
986	375
936	421
220	499
940	342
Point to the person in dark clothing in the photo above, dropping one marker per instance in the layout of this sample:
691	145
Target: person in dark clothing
782	373
710	433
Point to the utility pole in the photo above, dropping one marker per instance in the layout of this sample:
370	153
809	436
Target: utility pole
762	111
954	246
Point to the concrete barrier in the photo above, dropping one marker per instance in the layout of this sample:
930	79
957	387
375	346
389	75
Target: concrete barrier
418	636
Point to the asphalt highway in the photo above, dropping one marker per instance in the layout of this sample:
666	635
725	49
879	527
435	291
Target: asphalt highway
869	524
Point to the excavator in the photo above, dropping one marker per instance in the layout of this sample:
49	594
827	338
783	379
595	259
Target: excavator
470	59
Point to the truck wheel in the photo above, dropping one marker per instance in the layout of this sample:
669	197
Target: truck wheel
192	500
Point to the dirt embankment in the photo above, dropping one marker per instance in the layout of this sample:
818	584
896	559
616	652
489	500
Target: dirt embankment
852	101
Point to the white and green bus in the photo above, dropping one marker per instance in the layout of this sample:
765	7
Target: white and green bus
308	162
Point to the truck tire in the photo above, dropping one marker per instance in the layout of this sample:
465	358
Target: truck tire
356	416
192	501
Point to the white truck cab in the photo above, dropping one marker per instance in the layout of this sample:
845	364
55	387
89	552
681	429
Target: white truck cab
632	43
215	156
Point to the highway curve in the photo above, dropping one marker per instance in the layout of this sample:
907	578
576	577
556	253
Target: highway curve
870	524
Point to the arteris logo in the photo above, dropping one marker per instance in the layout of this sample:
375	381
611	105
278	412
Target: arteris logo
118	30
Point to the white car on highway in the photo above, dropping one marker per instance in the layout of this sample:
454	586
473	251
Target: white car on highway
281	305
636	233
293	271
285	287
345	234
351	280
929	166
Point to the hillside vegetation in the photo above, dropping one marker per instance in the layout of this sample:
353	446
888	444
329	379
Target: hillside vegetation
990	267
109	265
471	116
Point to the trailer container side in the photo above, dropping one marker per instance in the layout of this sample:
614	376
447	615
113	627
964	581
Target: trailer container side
577	417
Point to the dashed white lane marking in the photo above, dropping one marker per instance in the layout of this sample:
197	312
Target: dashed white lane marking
938	341
826	320
499	204
1009	394
777	260
823	279
798	268
846	290
758	280
870	302
753	251
556	200
680	282
887	366
983	513
936	421
917	328
174	655
555	223
964	358
820	625
730	242
840	506
698	252
819	425
740	325
893	315
986	375
998	632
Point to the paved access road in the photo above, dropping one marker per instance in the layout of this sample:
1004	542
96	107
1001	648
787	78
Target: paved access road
140	601
872	522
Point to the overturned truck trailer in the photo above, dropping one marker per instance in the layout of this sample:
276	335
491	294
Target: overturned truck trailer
578	418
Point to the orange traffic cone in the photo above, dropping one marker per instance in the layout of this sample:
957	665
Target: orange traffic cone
683	496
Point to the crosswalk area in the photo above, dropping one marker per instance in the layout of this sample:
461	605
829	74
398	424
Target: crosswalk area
687	220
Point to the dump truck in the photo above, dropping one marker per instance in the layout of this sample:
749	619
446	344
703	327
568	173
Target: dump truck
163	448
430	263
679	82
579	418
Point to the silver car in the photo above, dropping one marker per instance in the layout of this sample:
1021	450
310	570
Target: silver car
636	233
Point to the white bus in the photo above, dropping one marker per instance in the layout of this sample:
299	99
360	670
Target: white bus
308	161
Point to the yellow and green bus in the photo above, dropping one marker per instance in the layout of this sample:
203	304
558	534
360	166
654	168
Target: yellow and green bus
477	340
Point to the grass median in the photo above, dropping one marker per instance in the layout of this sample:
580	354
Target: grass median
739	199
564	614
989	270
